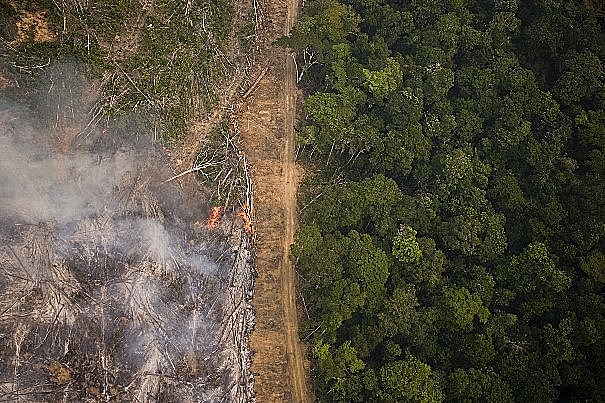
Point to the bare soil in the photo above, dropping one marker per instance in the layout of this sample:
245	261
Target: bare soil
266	120
265	116
32	26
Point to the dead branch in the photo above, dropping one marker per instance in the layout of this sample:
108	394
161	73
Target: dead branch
29	69
255	83
312	200
151	102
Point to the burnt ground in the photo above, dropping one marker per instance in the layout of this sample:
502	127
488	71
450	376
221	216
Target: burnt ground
110	288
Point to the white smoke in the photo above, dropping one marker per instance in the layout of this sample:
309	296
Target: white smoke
107	289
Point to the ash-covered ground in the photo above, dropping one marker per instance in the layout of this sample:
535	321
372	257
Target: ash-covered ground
111	287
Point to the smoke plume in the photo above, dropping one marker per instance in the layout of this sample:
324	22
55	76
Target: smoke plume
108	290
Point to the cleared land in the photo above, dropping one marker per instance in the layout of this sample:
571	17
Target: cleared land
266	120
264	113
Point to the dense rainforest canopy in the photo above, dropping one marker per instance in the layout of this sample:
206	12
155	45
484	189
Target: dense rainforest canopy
452	244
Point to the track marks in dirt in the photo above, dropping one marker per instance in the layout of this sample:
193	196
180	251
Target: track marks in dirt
266	122
298	373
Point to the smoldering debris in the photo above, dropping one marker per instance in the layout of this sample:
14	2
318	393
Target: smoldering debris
108	291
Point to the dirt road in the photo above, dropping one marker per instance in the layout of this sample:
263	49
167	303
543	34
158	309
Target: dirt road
267	130
298	373
266	119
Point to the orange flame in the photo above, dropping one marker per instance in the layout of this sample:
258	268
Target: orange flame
214	217
245	216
